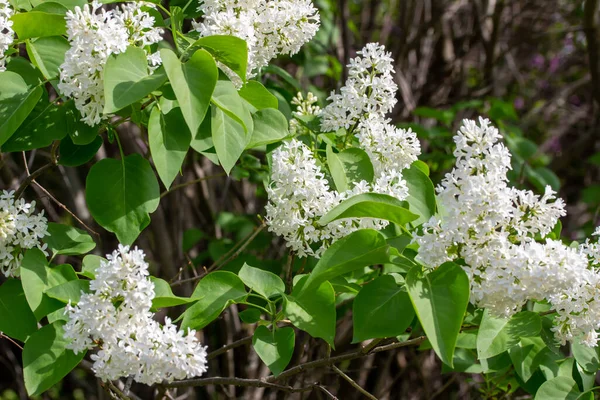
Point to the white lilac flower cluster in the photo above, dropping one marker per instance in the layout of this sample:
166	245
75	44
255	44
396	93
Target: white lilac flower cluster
299	193
368	95
7	35
492	227
116	317
95	34
269	27
20	229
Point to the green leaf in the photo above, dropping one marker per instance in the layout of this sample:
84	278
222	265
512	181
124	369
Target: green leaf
265	283
421	193
46	360
229	138
69	291
203	139
17	101
349	167
357	250
250	315
163	295
587	357
270	126
312	309
370	205
440	299
275	349
80	132
381	309
214	293
560	388
48	53
528	355
227	98
72	155
17	319
126	79
121	194
90	264
67	240
34	24
169	139
45	124
496	335
258	96
229	50
193	84
37	277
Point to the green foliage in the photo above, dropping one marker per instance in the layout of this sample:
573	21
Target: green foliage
192	82
229	50
381	309
17	319
357	250
440	299
213	293
126	79
63	239
265	283
349	167
46	360
312	309
371	205
169	139
496	335
275	348
163	295
47	53
45	20
17	100
37	277
121	194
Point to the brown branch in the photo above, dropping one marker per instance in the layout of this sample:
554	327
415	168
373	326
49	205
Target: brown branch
590	9
225	258
182	185
31	177
352	383
269	382
228	347
218	380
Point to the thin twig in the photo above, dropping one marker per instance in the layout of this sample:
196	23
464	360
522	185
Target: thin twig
218	380
3	336
31	177
228	347
61	205
182	185
353	383
225	258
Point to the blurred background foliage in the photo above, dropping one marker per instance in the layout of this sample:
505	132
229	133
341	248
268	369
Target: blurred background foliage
531	66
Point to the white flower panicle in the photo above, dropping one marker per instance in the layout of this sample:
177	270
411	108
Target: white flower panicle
492	227
269	27
369	90
116	317
299	195
94	35
20	229
388	147
7	35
